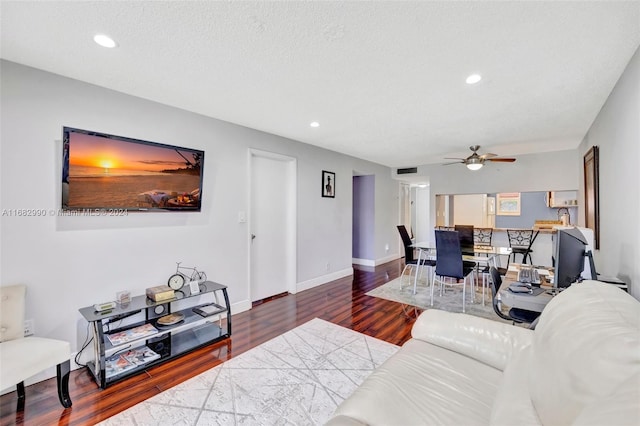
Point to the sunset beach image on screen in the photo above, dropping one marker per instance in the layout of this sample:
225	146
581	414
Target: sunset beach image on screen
102	171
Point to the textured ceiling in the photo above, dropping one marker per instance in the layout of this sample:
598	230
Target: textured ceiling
384	79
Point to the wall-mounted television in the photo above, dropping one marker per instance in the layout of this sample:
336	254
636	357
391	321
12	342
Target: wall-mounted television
102	171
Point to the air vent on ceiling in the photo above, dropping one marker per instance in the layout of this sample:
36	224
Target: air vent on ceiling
407	170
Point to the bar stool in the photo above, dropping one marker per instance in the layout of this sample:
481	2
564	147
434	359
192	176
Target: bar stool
482	236
520	241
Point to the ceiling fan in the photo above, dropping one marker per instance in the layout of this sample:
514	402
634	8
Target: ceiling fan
475	161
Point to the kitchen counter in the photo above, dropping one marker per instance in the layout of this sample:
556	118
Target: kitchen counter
542	230
542	248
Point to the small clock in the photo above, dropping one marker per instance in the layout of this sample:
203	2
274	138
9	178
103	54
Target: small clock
176	281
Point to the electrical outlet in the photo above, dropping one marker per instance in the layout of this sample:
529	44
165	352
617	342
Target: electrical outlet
29	327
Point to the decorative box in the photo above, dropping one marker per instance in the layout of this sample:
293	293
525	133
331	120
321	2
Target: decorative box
160	293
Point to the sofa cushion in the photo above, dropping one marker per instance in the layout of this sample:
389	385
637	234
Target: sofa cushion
586	344
513	405
488	341
424	384
26	357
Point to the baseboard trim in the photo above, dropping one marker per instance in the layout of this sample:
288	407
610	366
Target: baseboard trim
387	259
323	279
369	262
363	262
242	306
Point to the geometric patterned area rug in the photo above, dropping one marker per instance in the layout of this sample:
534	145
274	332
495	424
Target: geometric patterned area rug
451	299
299	377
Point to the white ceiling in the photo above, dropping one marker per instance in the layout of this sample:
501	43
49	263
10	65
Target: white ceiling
385	79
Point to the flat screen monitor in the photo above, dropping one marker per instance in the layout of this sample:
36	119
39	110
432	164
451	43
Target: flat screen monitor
102	171
570	252
592	265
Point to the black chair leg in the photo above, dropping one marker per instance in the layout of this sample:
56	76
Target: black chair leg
63	370
21	398
20	390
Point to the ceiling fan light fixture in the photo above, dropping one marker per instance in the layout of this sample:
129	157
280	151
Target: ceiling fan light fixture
474	163
475	166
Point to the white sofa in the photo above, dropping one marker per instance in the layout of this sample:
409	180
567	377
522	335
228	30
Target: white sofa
580	366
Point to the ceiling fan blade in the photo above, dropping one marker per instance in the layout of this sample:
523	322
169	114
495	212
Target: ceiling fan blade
455	162
454	158
502	160
488	155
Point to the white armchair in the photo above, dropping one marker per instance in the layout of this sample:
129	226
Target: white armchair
23	357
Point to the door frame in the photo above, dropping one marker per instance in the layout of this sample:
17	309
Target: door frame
290	186
404	197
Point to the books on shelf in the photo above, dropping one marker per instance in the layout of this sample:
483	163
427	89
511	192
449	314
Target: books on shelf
141	355
208	309
119	363
135	333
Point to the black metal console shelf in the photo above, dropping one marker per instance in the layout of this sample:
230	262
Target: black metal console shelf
166	342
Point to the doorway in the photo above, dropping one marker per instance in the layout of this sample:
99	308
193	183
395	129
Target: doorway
405	206
363	219
272	224
420	219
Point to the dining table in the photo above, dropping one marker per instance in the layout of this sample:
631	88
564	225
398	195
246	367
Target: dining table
482	254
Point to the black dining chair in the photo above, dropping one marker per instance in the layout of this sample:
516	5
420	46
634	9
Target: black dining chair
465	234
409	257
467	244
449	264
516	315
520	241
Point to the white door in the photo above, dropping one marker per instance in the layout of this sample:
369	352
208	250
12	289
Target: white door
272	253
405	205
422	219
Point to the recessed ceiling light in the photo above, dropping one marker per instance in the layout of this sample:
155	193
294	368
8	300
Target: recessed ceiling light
104	41
474	78
314	124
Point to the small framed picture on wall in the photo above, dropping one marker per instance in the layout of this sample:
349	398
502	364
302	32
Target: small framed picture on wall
328	184
508	204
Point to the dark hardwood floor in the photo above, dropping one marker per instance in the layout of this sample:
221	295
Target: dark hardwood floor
341	302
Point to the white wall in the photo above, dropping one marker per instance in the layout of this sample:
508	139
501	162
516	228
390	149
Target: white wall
616	130
71	262
387	218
